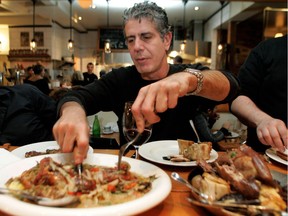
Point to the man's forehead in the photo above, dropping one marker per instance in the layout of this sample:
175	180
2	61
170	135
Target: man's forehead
133	27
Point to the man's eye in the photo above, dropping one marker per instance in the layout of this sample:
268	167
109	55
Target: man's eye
146	37
129	40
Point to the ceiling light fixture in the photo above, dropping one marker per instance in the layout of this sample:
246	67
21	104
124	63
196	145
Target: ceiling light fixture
183	44
220	45
70	45
85	3
107	46
33	44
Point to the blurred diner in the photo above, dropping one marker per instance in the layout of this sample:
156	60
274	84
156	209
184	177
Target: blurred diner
39	80
89	75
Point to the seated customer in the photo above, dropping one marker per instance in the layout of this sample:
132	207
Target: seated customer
204	121
38	79
26	115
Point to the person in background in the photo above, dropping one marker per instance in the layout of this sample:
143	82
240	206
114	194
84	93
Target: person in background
89	76
77	78
102	73
26	115
165	95
39	79
66	84
262	103
178	60
29	72
25	105
204	121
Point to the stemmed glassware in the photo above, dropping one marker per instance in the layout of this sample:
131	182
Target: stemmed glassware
130	128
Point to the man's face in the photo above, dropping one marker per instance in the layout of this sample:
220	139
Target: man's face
146	47
90	68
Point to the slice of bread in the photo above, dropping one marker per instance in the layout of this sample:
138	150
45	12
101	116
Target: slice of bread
194	151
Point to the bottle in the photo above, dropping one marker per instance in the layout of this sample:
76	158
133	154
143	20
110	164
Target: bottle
96	127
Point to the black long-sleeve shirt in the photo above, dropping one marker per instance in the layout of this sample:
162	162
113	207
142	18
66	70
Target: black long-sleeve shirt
120	85
263	78
26	115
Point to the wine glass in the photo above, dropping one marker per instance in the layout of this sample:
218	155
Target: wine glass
130	128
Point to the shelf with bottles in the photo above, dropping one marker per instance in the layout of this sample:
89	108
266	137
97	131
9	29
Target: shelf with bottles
28	55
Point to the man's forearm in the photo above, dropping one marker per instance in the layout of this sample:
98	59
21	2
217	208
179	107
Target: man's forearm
246	110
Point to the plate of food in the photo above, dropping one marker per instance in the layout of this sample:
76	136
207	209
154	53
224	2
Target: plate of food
40	148
281	157
169	152
138	187
239	183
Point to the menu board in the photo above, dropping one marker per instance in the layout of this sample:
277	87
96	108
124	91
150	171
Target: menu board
116	37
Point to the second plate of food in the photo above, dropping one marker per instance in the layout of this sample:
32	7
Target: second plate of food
40	148
155	151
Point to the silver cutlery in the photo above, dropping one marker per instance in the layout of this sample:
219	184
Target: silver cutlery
123	149
44	201
178	178
195	131
79	170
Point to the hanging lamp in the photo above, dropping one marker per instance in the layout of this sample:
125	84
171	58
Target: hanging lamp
107	46
70	45
183	44
33	44
220	45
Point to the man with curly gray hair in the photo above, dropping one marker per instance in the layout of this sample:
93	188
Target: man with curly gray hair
160	91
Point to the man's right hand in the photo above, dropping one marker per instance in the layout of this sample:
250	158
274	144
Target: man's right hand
71	131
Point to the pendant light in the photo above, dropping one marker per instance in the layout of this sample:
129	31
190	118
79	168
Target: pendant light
33	44
107	47
183	44
70	45
220	45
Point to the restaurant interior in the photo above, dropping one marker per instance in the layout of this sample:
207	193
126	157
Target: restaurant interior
65	35
71	33
198	28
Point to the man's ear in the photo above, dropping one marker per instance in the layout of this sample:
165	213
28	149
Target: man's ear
167	40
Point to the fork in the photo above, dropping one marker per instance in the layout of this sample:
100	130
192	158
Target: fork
40	200
79	170
195	131
123	149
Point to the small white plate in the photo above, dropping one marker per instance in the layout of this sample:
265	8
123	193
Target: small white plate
155	151
161	188
233	135
40	147
273	155
107	132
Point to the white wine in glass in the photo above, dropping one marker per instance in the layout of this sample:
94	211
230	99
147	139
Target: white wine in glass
130	128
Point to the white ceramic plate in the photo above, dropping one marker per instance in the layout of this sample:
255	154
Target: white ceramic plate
161	188
233	135
7	157
155	151
40	147
272	154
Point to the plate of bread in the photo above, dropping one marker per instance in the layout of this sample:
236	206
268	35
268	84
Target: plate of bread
178	152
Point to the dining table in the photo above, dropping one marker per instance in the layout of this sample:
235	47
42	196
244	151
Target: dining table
176	203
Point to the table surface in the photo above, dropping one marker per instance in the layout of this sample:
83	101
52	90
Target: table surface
176	203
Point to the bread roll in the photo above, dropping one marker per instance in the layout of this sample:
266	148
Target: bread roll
195	151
